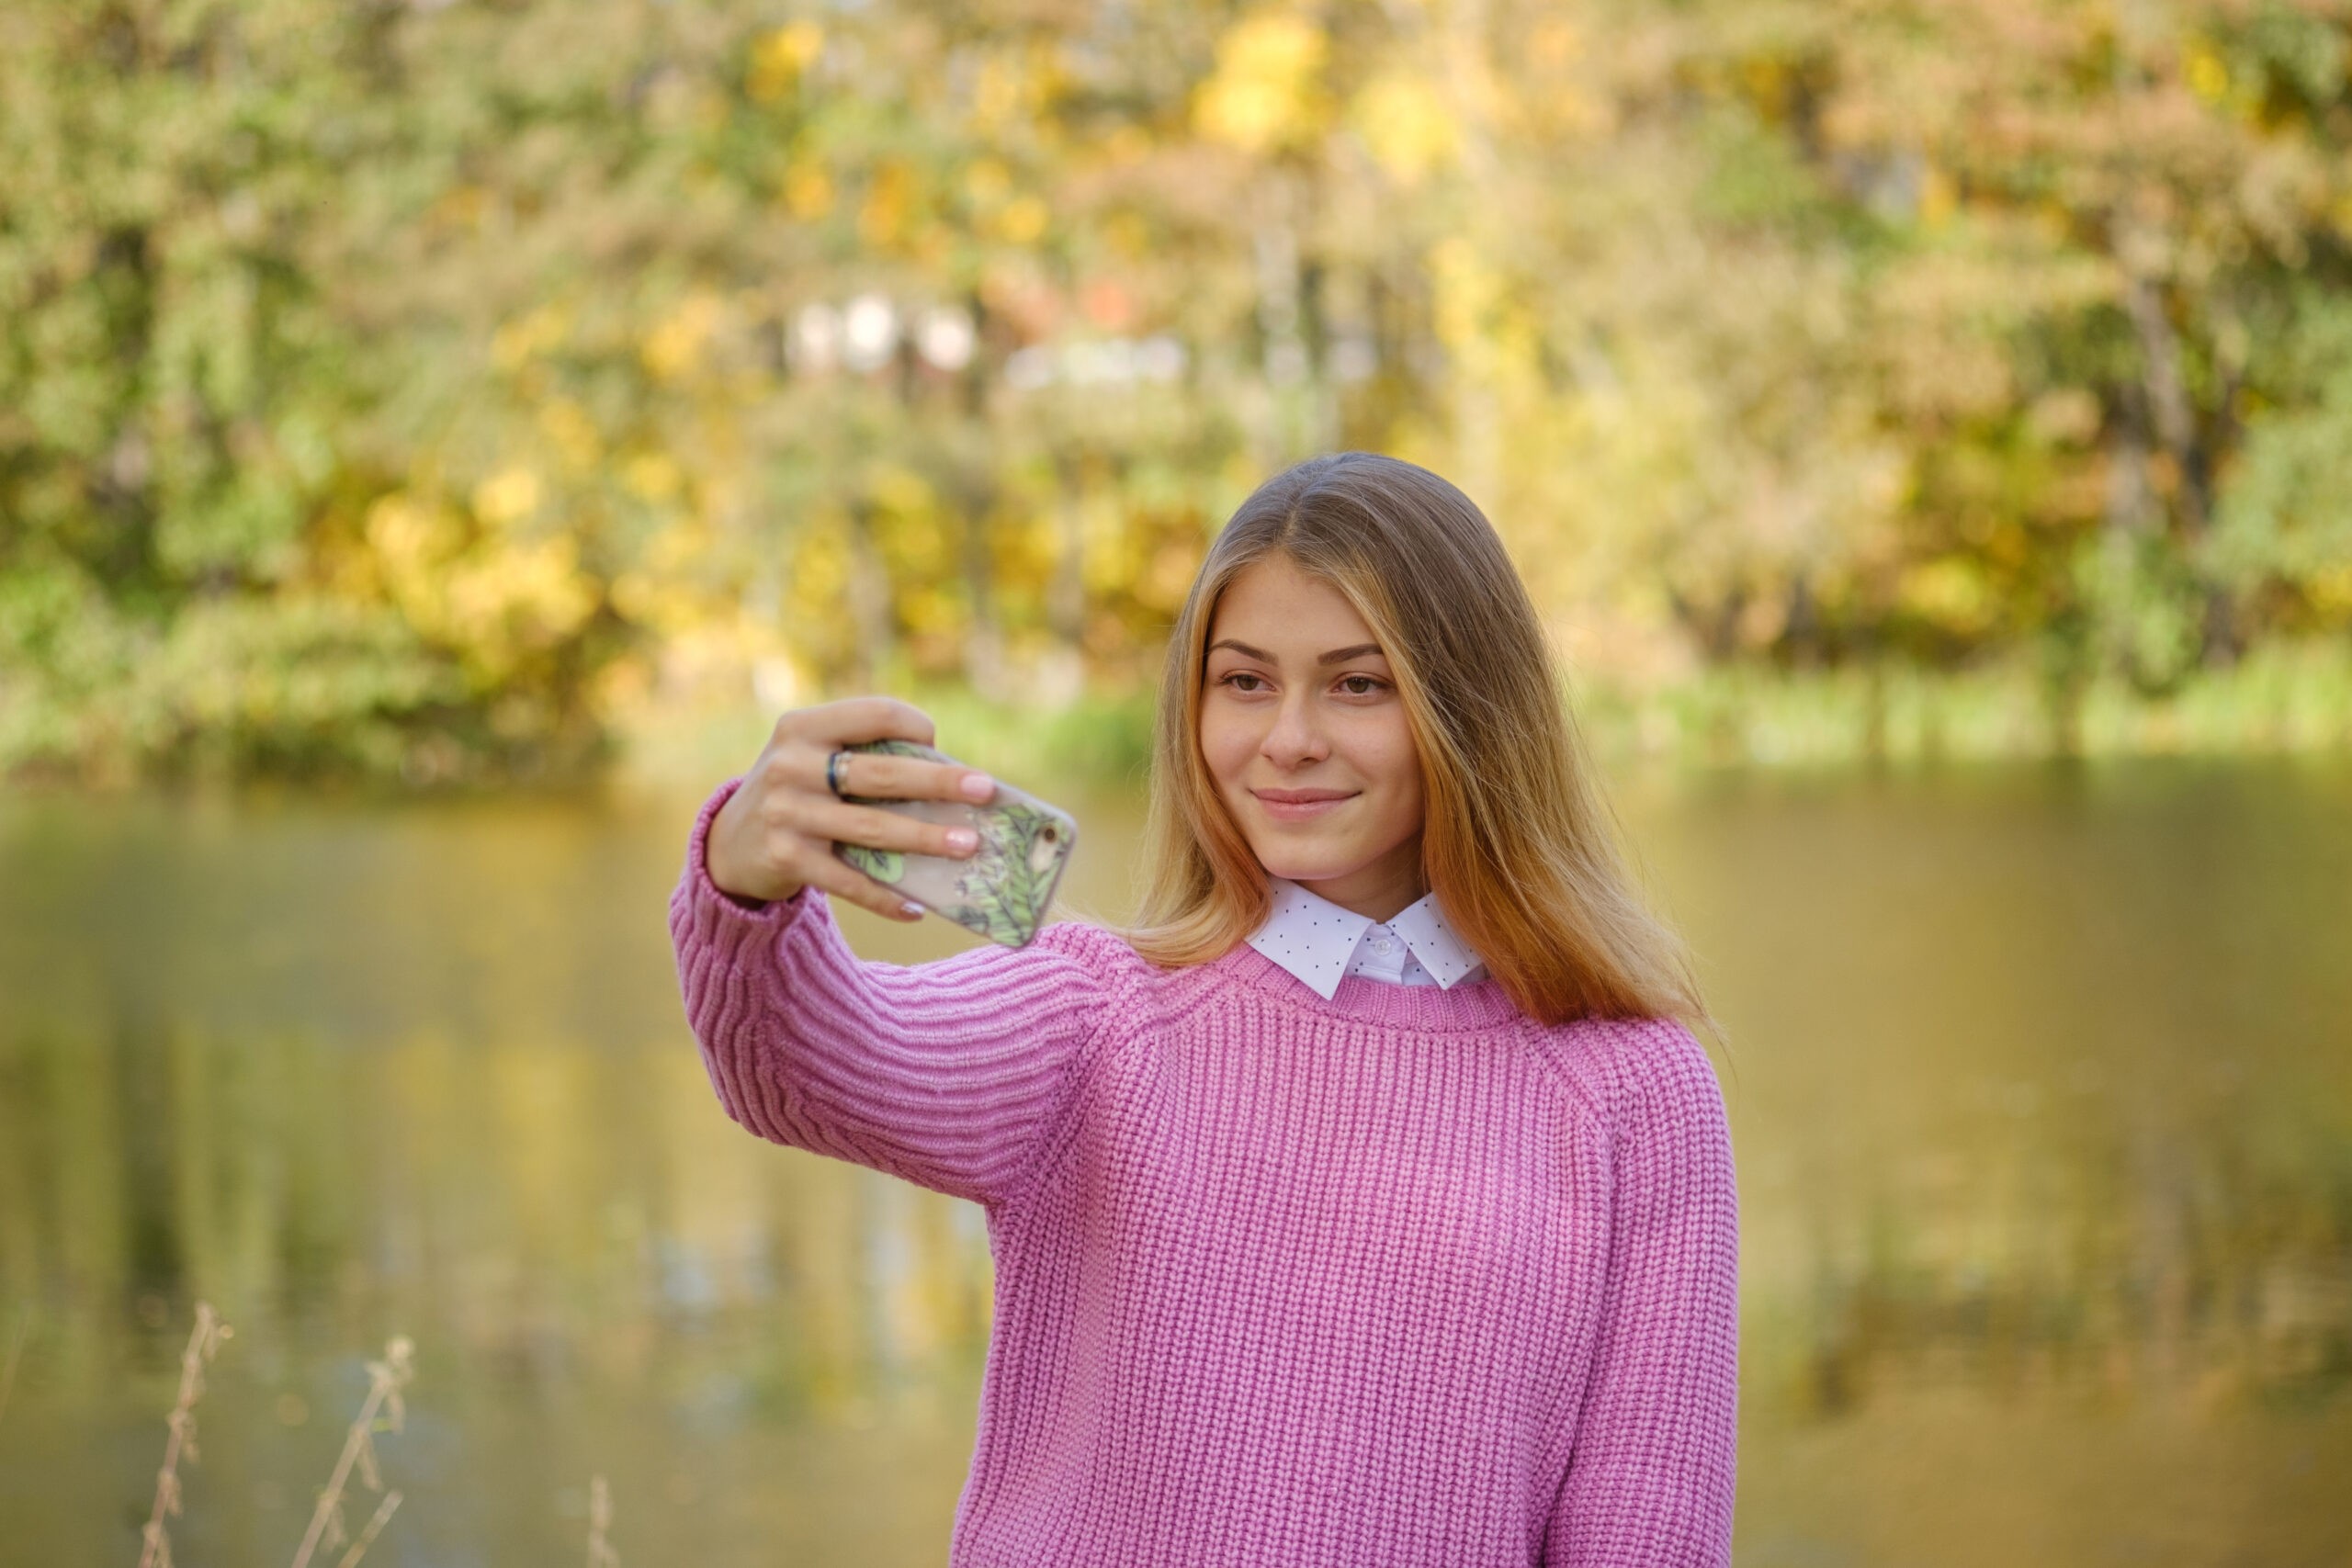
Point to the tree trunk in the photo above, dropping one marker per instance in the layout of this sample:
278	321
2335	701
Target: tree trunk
871	620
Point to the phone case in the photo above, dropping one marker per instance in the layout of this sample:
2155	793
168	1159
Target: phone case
1003	890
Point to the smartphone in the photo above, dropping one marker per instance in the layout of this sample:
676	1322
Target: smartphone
1003	890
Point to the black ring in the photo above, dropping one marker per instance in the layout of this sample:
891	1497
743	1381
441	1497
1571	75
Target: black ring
834	765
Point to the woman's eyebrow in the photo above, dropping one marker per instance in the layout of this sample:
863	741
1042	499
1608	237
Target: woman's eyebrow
1341	655
1337	656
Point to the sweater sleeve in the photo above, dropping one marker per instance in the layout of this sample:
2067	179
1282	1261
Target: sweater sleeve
1649	1484
948	1074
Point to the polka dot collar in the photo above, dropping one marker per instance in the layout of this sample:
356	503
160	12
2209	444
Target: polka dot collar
1322	943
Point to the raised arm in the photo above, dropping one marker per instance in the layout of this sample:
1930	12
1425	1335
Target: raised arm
946	1074
1650	1482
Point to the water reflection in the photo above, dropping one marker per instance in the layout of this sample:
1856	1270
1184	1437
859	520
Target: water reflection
2039	1085
2069	1104
2045	1117
347	1072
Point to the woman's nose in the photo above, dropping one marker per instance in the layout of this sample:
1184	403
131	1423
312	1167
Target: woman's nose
1296	737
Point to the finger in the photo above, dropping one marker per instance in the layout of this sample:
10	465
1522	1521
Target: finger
879	776
878	829
844	881
853	719
793	768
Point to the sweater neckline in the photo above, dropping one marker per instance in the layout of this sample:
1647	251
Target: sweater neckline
1470	1006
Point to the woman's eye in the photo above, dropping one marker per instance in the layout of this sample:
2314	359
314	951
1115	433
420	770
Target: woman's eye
1358	685
1242	681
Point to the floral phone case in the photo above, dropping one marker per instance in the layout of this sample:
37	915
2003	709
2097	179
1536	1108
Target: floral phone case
1003	890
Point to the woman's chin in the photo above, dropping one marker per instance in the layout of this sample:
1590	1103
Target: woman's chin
1295	863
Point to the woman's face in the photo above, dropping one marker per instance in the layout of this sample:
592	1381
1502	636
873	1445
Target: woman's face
1305	738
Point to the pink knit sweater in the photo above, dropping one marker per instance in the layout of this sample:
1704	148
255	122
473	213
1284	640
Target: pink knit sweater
1400	1278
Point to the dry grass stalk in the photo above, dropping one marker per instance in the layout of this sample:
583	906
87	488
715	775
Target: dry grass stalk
156	1547
375	1527
16	1353
600	1519
385	1380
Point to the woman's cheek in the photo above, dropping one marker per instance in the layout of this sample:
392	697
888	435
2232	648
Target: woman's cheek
1399	771
1226	746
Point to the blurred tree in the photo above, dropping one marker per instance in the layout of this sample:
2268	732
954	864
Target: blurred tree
420	388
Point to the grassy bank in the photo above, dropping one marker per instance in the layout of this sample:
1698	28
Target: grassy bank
2279	699
1099	742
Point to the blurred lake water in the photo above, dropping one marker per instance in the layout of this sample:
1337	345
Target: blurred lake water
2040	1080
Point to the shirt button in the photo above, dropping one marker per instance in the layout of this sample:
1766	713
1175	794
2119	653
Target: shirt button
1384	947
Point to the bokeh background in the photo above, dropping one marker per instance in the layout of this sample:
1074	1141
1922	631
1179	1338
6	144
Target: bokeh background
436	437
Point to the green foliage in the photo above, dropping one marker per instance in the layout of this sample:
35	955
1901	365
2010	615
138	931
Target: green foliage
434	390
2284	536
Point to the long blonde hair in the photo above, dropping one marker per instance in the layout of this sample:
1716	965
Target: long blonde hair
1517	842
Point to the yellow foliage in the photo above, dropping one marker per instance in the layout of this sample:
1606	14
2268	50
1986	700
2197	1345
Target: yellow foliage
1128	234
677	546
999	91
779	58
1029	548
987	182
2065	414
1552	96
570	431
931	608
506	601
887	202
458	209
1554	43
491	600
1024	220
2330	591
535	333
1111	557
1170	577
661	605
1493	341
672	349
808	192
1950	593
410	537
709	111
2207	76
820	570
1406	125
1466	288
1266	92
508	496
653	477
1939	195
902	492
914	544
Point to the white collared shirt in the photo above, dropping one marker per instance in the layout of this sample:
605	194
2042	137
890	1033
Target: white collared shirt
1322	943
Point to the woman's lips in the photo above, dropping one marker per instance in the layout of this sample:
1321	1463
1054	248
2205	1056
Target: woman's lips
1300	805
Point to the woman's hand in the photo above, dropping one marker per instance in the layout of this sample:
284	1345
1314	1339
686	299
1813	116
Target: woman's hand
775	834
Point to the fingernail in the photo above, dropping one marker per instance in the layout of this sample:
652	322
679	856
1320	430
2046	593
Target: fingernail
977	786
962	840
911	910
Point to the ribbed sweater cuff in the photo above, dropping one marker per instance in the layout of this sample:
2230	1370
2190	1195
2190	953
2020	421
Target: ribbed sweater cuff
715	917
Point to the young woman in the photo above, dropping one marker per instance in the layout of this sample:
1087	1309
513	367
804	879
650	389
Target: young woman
1362	1205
